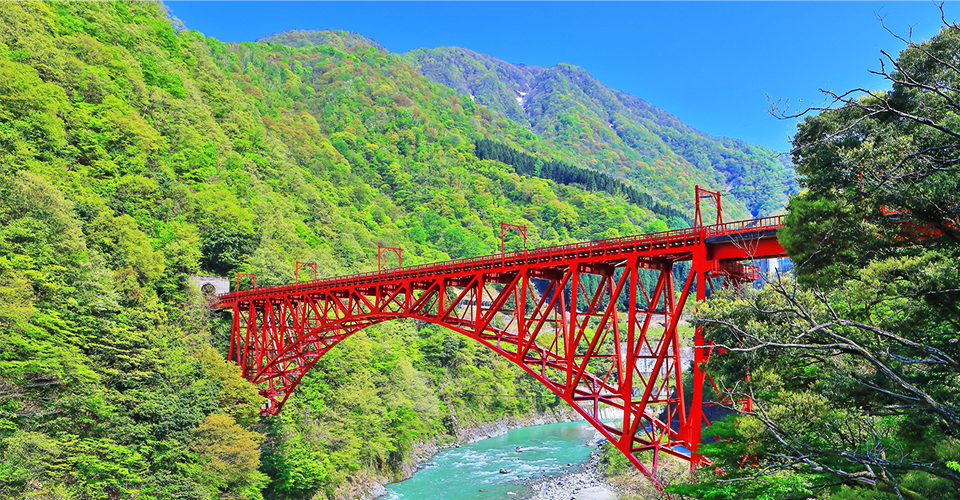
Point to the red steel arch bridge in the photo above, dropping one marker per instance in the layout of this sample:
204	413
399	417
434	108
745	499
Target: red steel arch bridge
579	318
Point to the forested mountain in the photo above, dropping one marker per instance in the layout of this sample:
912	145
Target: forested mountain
500	86
338	39
581	121
612	131
134	152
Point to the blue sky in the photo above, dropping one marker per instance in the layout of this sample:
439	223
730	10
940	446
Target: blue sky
712	64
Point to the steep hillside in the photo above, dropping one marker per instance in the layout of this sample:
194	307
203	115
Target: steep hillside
500	86
612	131
134	153
338	39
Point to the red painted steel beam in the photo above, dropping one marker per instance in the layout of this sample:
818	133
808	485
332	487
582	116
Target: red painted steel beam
575	337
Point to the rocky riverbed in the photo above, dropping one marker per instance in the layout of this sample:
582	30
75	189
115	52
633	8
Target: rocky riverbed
368	486
584	483
541	462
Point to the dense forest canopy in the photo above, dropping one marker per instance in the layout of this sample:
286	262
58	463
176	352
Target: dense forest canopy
134	153
854	363
564	173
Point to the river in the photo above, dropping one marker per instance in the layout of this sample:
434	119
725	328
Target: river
472	471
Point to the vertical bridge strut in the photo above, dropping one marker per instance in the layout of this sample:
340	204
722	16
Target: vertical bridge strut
597	323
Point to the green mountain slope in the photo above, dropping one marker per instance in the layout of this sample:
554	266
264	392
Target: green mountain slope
338	39
491	82
612	131
134	153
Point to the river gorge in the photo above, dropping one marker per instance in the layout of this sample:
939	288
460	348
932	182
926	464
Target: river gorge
530	462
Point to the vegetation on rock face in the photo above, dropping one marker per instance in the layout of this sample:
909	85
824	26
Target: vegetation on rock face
854	366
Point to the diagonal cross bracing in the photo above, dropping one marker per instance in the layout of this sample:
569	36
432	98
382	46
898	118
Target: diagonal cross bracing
597	336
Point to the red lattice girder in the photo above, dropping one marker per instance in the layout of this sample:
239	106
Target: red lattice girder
577	318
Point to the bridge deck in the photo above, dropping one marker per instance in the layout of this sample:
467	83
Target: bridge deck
677	243
591	341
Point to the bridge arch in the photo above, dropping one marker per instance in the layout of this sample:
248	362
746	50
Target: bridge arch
578	318
284	370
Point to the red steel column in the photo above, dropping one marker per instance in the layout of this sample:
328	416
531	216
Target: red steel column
234	333
251	327
700	266
569	348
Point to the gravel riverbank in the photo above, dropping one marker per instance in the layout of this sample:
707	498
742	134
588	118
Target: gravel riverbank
368	487
585	483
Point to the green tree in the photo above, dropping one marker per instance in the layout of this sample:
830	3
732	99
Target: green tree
237	397
230	457
855	368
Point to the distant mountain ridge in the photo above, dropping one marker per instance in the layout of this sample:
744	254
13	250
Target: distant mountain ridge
611	130
576	118
339	39
491	82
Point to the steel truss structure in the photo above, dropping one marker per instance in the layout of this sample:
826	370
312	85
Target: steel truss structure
595	322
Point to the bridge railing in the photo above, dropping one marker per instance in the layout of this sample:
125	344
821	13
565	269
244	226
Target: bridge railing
743	226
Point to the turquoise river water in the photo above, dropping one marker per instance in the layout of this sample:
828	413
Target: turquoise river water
473	470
